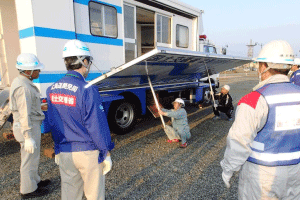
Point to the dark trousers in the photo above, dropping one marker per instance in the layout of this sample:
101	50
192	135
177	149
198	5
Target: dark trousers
226	110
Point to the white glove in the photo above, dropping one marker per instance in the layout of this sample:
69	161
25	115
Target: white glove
215	105
30	145
56	159
226	178
107	165
211	93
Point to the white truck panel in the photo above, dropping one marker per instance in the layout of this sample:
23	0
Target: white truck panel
24	14
59	14
49	52
106	56
28	45
82	19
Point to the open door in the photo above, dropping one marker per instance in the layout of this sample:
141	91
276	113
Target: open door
130	32
145	30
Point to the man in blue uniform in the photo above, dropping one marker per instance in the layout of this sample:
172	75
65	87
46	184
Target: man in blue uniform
79	127
295	77
264	139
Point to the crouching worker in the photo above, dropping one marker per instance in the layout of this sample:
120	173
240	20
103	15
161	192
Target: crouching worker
79	128
179	122
225	103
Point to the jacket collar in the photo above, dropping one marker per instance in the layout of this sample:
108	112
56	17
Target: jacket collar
26	80
277	78
75	74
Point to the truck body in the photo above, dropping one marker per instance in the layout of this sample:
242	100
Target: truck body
123	36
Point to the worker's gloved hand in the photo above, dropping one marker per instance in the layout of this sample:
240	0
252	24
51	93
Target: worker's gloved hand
56	159
107	165
29	145
211	93
215	105
226	178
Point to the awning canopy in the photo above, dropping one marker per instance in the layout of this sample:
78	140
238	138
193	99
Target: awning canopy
166	66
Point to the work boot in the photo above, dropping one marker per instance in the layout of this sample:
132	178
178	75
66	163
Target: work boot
183	145
37	193
173	141
43	183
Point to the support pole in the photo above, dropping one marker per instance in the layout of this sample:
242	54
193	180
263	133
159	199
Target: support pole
154	96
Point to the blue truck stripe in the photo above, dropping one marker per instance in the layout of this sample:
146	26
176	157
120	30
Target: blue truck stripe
51	77
63	34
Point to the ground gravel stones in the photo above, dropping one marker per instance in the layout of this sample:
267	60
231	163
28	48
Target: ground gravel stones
145	166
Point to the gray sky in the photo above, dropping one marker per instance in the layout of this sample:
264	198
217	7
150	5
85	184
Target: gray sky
235	22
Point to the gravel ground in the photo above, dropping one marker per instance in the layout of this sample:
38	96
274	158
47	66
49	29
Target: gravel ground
144	165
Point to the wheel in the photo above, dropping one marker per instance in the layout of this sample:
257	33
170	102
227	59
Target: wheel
207	99
122	117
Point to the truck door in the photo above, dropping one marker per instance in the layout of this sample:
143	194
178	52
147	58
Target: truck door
130	32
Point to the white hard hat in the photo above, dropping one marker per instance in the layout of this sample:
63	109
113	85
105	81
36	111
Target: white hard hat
179	100
75	48
226	87
28	61
278	54
297	61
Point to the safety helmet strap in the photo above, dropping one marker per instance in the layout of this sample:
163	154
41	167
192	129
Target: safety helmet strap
29	76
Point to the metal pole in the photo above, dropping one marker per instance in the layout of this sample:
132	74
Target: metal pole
210	83
154	96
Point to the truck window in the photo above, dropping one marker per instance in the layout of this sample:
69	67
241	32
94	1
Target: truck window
103	20
206	49
163	29
182	36
210	49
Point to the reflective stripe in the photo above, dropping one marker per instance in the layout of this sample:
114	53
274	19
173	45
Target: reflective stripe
258	145
269	157
283	98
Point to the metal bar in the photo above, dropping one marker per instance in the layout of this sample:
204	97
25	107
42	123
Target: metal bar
154	96
211	90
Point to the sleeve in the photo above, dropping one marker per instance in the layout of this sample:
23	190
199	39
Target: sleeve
178	114
295	77
217	96
251	115
96	122
23	103
49	111
228	102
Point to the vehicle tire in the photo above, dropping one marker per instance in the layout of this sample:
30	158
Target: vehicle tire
122	117
207	98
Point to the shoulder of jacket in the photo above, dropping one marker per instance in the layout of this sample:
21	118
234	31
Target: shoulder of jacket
250	99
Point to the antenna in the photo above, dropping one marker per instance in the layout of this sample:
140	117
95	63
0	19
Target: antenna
250	48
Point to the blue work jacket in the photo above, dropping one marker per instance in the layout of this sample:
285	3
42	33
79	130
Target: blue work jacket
76	117
295	78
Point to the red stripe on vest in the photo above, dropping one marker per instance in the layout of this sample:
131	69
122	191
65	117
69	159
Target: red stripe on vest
250	99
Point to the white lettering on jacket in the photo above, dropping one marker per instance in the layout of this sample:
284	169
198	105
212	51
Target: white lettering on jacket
68	100
66	86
